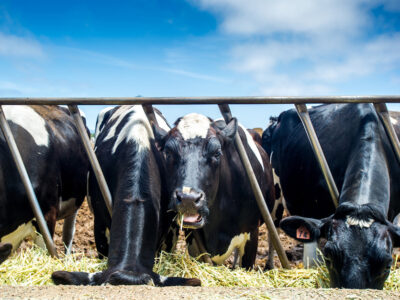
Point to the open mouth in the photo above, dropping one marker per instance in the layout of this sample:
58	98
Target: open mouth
190	221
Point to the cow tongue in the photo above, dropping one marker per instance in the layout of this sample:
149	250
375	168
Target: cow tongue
191	218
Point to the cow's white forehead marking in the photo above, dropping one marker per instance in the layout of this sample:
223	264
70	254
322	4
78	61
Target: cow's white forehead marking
393	120
194	125
30	120
350	221
239	242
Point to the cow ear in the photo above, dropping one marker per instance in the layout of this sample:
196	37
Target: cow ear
160	135
395	234
230	130
305	230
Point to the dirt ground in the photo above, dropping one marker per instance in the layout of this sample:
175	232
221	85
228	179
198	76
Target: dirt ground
149	292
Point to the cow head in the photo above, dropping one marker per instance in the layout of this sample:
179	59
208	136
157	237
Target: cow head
360	241
193	151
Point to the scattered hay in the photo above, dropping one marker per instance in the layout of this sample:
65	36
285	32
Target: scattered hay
33	266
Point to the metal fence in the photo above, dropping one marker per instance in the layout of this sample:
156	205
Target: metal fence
223	103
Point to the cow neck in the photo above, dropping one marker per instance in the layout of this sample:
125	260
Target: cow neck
367	175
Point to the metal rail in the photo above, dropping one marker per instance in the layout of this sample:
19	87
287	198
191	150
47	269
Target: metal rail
197	100
37	212
319	154
226	113
383	112
92	157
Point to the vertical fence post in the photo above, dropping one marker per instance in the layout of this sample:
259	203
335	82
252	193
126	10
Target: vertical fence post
92	157
37	212
319	154
383	113
226	113
149	111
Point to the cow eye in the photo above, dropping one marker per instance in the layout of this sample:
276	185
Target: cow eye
217	154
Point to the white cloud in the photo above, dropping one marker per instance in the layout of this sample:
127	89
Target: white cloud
297	47
11	45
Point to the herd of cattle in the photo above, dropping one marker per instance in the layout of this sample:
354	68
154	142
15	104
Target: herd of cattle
191	176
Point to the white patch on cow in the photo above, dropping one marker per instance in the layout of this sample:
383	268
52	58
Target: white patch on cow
16	237
107	233
281	198
100	119
163	279
66	208
194	125
91	276
350	221
30	120
239	242
82	113
186	189
137	128
393	120
253	146
161	122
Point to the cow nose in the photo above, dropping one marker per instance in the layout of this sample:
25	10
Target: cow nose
189	198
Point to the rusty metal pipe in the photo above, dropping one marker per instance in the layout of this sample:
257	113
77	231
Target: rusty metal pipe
37	211
383	113
319	154
92	157
226	113
197	100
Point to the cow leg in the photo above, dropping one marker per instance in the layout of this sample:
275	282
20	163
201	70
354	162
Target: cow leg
250	250
101	238
310	255
235	258
269	265
5	251
69	232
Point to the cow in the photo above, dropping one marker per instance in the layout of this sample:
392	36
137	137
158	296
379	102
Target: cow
134	170
208	187
359	233
56	163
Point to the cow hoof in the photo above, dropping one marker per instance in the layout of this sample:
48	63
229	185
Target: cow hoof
193	282
5	251
70	278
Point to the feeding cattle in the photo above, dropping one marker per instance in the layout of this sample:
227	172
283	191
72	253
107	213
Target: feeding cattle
359	233
56	164
208	187
134	170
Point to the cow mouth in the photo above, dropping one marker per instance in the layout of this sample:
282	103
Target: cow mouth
190	221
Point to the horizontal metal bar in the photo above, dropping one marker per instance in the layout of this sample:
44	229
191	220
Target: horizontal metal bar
319	154
37	211
197	100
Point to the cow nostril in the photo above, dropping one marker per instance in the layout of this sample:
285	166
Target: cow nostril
199	198
178	196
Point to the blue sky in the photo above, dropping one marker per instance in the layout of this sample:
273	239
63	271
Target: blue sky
200	48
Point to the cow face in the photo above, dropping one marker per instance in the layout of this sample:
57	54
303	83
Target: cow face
358	252
193	151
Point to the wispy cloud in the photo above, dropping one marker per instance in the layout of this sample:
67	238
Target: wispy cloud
306	47
127	64
16	46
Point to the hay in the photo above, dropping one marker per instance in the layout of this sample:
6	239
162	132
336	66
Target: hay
33	266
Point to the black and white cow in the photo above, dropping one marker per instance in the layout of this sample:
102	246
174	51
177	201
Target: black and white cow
360	237
134	170
208	186
56	164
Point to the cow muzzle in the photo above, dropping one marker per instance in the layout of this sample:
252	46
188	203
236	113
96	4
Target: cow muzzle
189	204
